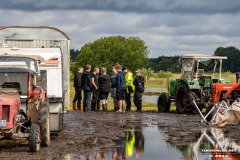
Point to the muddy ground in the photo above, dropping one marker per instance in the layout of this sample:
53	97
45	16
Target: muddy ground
85	130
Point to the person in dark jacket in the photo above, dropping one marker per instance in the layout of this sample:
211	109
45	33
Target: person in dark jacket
120	88
86	83
95	94
104	87
113	87
139	89
78	90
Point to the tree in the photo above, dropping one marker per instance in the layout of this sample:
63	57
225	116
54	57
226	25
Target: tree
106	52
164	63
232	63
73	54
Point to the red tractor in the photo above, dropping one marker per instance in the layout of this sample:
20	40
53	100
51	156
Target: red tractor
24	109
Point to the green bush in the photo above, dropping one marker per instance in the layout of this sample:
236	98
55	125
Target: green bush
148	72
162	74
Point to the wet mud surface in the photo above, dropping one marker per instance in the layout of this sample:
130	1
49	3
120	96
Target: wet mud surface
85	131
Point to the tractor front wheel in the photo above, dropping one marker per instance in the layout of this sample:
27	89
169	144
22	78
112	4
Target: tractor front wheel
45	124
34	138
164	102
181	98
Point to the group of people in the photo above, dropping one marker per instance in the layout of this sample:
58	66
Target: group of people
97	85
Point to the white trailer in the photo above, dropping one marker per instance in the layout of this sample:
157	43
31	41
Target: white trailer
53	45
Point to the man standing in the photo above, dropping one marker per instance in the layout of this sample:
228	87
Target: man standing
129	88
139	89
95	94
113	87
120	88
87	88
104	88
78	89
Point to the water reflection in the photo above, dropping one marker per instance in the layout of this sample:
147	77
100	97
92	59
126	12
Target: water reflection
210	144
149	143
125	148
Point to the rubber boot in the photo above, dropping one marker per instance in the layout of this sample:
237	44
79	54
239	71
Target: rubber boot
84	108
106	107
98	106
140	108
93	106
74	106
79	106
103	107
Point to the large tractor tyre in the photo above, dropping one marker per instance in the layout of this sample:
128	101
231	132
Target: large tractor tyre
164	102
34	138
45	124
190	106
182	98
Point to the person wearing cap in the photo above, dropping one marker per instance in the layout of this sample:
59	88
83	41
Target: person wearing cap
139	89
129	87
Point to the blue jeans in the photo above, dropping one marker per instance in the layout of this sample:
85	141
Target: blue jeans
86	100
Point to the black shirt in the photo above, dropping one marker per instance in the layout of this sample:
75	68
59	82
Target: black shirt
104	83
96	79
86	81
139	84
113	81
77	80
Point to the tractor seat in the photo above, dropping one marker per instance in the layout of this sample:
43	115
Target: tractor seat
12	85
15	85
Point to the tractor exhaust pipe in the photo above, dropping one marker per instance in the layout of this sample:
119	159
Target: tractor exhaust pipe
237	77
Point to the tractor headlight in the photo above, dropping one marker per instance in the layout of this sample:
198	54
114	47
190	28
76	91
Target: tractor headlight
18	117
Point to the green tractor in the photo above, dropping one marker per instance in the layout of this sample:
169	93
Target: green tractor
193	84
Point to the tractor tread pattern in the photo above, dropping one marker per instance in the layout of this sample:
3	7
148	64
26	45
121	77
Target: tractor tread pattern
33	139
44	123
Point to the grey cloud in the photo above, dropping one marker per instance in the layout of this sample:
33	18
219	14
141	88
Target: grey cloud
164	33
137	6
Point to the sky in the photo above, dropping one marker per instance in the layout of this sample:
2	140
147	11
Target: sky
168	27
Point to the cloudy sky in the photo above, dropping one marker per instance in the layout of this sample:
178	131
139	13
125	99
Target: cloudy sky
169	27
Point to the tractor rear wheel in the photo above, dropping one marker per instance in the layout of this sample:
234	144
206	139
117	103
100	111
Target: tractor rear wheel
45	124
182	98
164	102
34	138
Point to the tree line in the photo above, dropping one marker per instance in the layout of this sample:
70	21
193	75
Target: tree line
132	53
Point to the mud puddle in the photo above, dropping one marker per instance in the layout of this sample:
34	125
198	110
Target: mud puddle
151	143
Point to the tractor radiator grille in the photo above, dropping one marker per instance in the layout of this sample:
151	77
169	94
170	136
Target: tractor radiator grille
213	92
5	112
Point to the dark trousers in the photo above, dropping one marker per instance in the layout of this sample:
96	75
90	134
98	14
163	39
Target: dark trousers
86	101
128	101
128	98
138	100
78	95
95	104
